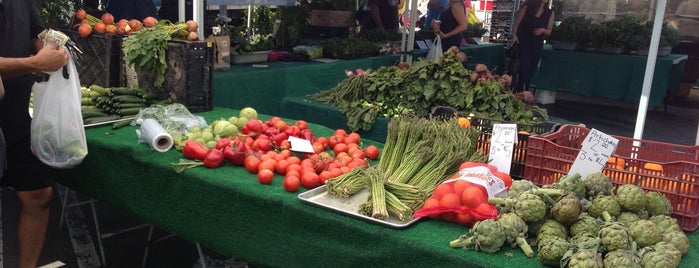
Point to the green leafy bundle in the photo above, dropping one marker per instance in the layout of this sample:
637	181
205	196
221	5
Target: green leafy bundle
145	50
391	91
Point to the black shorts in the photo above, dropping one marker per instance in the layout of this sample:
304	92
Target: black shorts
24	171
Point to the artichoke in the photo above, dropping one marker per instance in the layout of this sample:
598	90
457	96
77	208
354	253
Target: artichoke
551	228
678	239
622	258
645	233
658	204
519	186
604	206
660	255
529	206
631	197
485	236
515	232
586	241
627	218
643	213
585	224
614	235
551	250
666	223
582	258
572	183
567	209
598	184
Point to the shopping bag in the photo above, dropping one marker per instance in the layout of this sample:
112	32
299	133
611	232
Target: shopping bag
57	131
436	49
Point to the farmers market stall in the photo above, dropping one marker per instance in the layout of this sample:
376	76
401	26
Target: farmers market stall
612	76
229	211
266	87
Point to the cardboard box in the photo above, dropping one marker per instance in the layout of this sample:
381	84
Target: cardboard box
222	45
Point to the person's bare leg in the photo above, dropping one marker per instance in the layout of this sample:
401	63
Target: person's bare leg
33	221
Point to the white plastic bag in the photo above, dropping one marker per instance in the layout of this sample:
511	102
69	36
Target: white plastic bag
436	49
57	131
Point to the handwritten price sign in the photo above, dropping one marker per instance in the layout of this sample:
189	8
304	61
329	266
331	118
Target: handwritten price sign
502	145
594	152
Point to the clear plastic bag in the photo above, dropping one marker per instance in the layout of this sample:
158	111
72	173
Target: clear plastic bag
57	131
436	49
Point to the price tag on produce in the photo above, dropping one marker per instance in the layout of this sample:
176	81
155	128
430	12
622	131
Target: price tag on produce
300	145
502	145
595	150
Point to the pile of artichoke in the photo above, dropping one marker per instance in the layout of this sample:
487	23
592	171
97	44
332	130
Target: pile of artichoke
584	222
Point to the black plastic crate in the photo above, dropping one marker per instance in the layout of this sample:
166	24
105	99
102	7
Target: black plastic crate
100	62
188	75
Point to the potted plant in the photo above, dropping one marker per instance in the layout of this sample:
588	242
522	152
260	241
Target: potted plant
640	42
614	36
251	49
571	34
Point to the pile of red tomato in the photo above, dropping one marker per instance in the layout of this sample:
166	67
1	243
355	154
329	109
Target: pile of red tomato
263	149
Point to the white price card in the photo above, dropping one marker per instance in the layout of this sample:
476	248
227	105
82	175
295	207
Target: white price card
595	150
502	145
300	145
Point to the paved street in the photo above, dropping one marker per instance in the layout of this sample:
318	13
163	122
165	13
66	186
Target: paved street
75	243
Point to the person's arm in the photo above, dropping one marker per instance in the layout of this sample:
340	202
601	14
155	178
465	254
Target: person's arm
2	89
49	58
458	11
545	31
518	20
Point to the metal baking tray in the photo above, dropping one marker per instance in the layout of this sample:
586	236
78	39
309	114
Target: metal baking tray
320	197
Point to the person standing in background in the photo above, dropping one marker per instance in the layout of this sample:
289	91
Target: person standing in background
534	22
21	53
384	14
452	24
131	9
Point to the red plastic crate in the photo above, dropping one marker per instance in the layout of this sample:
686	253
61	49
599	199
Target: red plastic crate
485	125
655	166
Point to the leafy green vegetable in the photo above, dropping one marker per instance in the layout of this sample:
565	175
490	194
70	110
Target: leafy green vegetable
145	50
390	91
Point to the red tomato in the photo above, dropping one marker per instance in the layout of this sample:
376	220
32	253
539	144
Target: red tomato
265	176
309	180
322	140
302	124
292	184
281	166
334	140
318	147
340	148
352	138
252	163
372	152
340	132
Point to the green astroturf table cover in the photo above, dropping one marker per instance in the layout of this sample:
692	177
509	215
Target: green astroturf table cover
229	211
611	76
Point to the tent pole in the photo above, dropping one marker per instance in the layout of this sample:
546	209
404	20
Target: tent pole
411	35
650	68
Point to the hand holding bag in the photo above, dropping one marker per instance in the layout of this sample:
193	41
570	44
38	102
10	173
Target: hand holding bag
436	49
57	131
